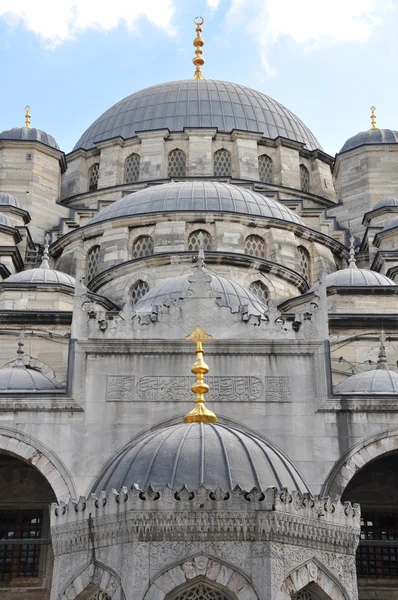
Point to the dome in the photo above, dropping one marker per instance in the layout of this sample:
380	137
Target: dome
30	135
376	381
197	196
391	224
8	200
387	201
231	295
197	103
5	220
357	277
196	454
41	275
372	136
20	379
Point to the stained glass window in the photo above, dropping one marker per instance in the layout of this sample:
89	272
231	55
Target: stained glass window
143	246
304	178
194	240
92	262
304	262
265	168
93	177
255	246
259	290
138	291
132	168
222	163
176	165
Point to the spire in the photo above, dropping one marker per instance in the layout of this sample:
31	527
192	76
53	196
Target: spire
198	42
44	259
200	414
373	118
20	351
382	359
27	117
351	261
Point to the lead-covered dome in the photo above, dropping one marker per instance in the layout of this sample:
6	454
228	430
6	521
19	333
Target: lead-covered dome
372	136
375	381
18	378
197	103
386	202
29	134
199	454
357	277
197	196
5	220
7	199
41	276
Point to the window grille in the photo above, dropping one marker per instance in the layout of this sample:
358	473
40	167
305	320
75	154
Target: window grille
138	291
93	177
304	263
99	595
222	163
143	246
304	179
132	168
265	169
304	594
200	591
377	554
92	262
259	290
176	163
19	554
255	246
194	240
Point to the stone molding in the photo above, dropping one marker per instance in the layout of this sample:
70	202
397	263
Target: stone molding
357	458
317	577
96	576
40	456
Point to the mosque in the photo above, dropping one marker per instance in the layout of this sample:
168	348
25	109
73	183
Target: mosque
198	358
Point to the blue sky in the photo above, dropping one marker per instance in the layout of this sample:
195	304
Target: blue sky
327	62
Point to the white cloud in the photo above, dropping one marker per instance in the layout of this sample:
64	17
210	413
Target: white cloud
309	23
213	4
56	22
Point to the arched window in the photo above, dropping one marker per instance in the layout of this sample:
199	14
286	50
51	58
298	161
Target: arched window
92	262
93	177
176	163
304	262
138	291
304	594
143	246
304	178
199	591
222	163
265	168
194	240
255	246
259	290
132	168
95	595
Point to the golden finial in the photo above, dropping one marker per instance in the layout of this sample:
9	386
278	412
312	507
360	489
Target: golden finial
198	61
200	414
373	118
27	117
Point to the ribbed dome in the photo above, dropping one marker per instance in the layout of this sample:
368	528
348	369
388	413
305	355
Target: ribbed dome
391	224
376	381
387	201
5	220
197	454
21	379
197	103
30	135
372	136
232	294
357	277
8	200
197	196
41	275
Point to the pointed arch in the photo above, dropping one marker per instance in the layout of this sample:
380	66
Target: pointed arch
132	168
176	163
93	579
314	576
222	161
93	177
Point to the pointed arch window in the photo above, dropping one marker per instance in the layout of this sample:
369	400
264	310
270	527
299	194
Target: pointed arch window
132	168
222	163
143	246
255	246
194	240
176	163
304	178
200	590
259	290
265	168
92	262
93	176
304	262
138	291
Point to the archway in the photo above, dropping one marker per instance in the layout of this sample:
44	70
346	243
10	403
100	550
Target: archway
94	582
312	581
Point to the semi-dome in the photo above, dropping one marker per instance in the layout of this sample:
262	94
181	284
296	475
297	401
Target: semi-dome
7	199
372	136
29	134
357	277
229	293
385	202
197	196
200	454
391	224
197	103
5	220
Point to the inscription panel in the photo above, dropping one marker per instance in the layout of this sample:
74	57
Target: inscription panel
278	389
120	388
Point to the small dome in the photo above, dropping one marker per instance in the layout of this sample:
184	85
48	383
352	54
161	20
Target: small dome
8	200
5	220
198	454
41	275
376	381
30	135
357	277
387	201
198	103
197	196
20	379
232	294
391	224
372	136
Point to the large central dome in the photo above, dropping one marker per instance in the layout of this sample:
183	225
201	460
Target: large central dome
198	103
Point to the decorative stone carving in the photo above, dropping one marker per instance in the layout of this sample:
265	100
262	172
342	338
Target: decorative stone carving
278	389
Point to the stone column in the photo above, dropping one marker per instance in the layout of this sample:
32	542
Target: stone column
200	159
153	164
